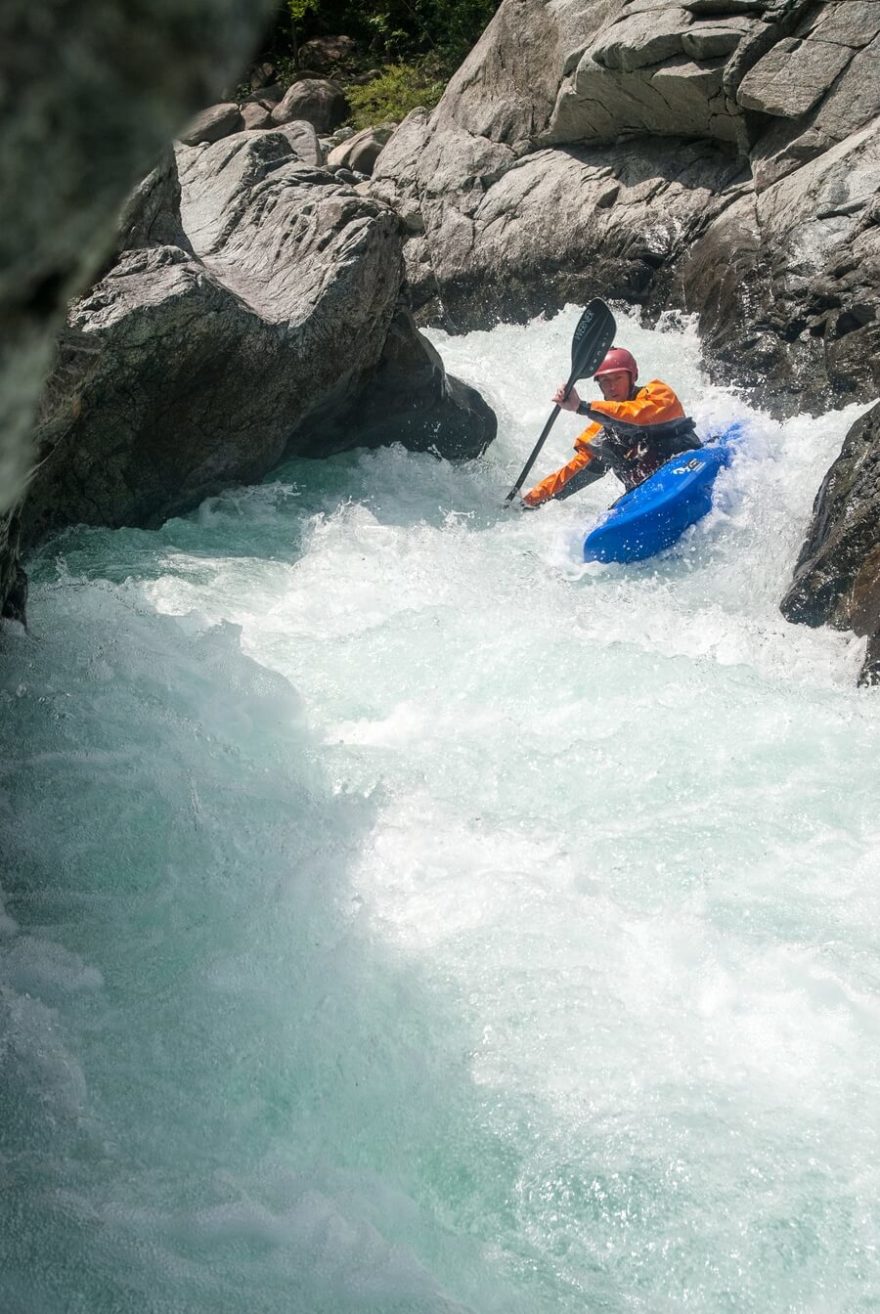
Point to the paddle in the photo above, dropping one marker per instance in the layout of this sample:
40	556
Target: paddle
592	338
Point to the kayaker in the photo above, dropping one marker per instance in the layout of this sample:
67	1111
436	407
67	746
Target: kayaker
634	431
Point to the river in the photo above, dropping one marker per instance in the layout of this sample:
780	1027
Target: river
401	916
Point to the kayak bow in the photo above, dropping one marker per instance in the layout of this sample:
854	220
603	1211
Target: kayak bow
652	516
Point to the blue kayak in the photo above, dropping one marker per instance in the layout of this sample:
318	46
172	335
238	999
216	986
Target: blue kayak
651	517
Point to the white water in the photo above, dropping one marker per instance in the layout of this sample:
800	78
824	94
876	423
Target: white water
403	917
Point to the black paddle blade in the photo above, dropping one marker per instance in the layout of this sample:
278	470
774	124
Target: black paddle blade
589	346
592	339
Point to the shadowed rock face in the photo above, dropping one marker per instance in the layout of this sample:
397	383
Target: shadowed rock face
89	96
837	576
650	149
205	347
250	323
410	398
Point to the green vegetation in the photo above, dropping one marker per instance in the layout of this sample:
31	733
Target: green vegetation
415	45
390	97
392	30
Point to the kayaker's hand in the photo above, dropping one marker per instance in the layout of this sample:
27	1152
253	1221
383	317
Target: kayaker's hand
569	403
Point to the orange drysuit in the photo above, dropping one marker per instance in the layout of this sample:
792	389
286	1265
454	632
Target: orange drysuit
630	449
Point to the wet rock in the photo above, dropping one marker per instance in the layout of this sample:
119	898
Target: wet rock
185	370
13	580
837	576
412	400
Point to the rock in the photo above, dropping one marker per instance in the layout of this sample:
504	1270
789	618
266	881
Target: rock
723	8
408	401
853	23
837	576
855	101
705	41
175	395
268	97
681	98
802	261
212	124
361	151
509	232
263	75
255	116
848	107
652	72
324	54
86	114
303	141
792	77
13	580
642	39
151	214
185	370
779	20
575	95
340	135
316	100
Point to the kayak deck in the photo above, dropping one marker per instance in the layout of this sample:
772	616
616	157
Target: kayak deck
652	516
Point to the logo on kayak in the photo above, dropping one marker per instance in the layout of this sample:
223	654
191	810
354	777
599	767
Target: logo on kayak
693	464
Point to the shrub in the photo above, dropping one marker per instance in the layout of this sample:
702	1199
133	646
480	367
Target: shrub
389	98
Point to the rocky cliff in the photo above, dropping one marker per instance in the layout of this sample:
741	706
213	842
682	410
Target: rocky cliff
717	156
90	95
253	311
837	575
247	302
714	156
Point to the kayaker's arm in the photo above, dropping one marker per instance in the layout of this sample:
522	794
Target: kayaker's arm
584	468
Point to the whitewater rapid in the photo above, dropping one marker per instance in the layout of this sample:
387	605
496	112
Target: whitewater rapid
403	917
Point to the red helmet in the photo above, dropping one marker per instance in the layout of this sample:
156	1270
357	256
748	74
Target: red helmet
618	358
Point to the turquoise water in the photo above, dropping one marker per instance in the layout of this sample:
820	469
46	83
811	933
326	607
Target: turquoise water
400	916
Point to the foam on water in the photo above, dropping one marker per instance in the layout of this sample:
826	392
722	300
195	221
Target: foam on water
402	915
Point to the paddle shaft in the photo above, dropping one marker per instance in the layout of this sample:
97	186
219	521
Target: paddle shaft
592	338
540	443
